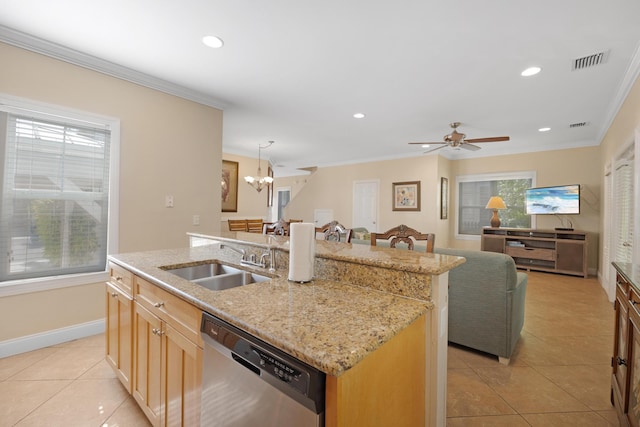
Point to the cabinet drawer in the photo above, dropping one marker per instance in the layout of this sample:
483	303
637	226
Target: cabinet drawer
121	277
622	284
181	315
534	253
634	304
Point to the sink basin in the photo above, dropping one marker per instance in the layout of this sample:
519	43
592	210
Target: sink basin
194	272
230	280
216	277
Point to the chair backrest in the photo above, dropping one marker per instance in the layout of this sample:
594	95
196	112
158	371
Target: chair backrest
335	231
280	227
237	224
405	234
254	225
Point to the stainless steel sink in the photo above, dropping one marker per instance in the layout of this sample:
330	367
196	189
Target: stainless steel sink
215	276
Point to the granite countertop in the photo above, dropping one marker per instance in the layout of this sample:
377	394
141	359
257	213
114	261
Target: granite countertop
329	325
374	256
631	272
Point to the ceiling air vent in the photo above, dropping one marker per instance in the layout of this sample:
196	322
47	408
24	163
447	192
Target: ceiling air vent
590	61
578	125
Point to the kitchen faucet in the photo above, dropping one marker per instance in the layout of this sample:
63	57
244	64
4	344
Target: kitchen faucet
236	250
251	260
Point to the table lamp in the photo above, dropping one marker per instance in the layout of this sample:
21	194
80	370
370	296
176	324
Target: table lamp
495	203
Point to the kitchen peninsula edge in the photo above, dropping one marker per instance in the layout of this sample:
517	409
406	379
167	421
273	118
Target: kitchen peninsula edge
361	298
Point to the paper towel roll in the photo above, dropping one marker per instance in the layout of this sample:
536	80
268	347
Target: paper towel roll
302	251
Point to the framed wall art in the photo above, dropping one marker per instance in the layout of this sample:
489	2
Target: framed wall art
406	196
229	186
270	188
444	198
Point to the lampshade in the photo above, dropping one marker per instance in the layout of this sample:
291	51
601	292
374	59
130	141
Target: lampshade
496	202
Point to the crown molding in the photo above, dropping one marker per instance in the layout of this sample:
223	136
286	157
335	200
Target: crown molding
630	77
56	51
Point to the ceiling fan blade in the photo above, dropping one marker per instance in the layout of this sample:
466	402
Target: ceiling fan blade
427	143
434	149
468	146
492	139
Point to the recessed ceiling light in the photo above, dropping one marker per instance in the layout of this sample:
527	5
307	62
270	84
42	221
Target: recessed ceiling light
213	41
544	129
358	115
531	71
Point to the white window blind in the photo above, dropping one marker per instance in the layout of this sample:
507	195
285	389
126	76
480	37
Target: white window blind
623	199
54	205
474	191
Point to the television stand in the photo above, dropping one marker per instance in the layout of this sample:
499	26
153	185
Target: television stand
554	251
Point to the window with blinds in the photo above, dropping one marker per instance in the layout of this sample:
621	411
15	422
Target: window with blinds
474	191
55	197
623	199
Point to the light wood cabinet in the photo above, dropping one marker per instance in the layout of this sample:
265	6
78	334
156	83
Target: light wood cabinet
541	250
398	368
625	378
167	366
119	326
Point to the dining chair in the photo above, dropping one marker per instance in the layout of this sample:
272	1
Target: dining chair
335	231
404	234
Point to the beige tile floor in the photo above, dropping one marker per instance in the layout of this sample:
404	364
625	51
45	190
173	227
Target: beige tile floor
558	376
560	372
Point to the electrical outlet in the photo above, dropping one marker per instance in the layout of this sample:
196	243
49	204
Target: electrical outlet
168	201
196	220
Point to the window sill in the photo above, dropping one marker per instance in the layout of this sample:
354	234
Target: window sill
27	286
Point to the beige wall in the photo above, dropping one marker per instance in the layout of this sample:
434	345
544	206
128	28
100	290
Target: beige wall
169	146
332	188
251	204
558	167
551	168
624	128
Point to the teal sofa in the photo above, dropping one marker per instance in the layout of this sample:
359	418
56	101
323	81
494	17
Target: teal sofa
486	302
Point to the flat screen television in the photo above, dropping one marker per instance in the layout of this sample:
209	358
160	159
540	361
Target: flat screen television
556	200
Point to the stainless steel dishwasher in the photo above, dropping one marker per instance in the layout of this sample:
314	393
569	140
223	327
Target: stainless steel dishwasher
247	382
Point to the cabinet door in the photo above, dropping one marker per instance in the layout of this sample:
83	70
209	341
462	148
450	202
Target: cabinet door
183	380
119	333
620	345
633	403
147	364
570	257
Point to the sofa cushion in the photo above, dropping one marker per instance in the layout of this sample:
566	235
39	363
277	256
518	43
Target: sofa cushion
486	301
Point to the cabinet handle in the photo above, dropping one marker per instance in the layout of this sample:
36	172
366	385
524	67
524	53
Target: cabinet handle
621	361
633	302
157	331
114	294
158	304
119	278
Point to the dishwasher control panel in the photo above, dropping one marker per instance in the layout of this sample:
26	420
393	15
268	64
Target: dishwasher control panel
260	357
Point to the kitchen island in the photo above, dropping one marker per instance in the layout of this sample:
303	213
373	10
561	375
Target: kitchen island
364	309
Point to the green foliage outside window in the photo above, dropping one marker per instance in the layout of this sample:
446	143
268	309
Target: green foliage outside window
512	192
81	239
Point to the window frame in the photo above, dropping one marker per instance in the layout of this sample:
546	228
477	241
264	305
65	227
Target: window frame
45	111
502	176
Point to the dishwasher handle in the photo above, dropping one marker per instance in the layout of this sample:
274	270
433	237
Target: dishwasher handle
246	364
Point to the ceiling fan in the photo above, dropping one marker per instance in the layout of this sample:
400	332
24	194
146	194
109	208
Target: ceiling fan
458	140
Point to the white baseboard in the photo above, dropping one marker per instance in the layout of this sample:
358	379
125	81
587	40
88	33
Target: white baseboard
45	339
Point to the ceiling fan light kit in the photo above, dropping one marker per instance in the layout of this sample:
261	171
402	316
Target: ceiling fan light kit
458	140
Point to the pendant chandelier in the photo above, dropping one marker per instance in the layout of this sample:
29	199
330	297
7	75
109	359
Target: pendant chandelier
259	182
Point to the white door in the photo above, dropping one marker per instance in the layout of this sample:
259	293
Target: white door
322	216
365	204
